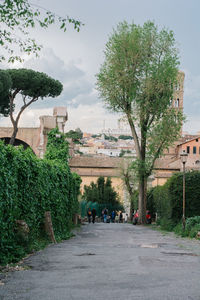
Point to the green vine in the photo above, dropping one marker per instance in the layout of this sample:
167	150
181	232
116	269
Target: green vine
29	187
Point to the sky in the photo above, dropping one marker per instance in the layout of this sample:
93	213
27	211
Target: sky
75	58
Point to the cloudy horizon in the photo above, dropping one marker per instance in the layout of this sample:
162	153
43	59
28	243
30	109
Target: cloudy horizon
74	58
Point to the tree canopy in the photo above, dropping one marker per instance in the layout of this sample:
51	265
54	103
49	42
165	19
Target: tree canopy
31	86
76	135
5	86
17	17
137	79
101	192
125	137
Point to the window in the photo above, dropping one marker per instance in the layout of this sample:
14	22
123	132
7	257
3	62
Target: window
177	86
197	140
188	149
199	150
194	150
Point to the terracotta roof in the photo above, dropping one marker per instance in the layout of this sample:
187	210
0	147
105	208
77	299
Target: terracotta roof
189	140
169	164
95	172
105	162
163	175
95	162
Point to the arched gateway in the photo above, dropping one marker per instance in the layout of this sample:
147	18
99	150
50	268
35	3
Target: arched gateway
16	143
36	138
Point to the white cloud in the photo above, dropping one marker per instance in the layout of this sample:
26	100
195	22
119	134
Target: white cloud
74	58
77	87
79	96
90	118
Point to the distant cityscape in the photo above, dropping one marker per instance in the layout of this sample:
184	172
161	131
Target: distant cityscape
116	142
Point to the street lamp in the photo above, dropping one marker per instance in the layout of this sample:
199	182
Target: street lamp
183	156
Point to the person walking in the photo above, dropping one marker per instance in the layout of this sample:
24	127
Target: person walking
126	218
113	216
117	218
120	217
105	215
93	215
89	215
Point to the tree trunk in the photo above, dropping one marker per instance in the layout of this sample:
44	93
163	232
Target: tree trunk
142	199
15	130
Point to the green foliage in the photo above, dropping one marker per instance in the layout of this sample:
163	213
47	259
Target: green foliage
191	229
5	85
102	192
194	230
75	135
99	207
19	16
190	222
57	146
122	152
137	79
111	138
151	206
96	135
158	202
29	187
134	200
167	200
33	84
125	137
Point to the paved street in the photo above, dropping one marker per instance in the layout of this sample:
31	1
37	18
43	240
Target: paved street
111	261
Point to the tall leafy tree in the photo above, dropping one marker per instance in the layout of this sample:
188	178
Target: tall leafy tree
101	189
101	192
137	79
31	86
16	18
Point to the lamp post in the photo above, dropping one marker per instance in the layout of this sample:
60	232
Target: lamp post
183	156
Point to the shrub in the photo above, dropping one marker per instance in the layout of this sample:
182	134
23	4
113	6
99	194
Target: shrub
190	222
167	199
194	230
192	227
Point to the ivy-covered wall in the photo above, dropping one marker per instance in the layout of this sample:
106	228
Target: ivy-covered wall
29	187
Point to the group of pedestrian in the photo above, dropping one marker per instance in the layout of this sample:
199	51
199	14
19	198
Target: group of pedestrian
135	217
113	217
106	217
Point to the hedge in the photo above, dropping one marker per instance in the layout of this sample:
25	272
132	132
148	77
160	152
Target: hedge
29	187
167	200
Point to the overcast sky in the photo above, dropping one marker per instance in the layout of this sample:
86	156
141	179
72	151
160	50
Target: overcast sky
74	58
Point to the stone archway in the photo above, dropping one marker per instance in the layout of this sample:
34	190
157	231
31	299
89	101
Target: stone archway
18	142
36	137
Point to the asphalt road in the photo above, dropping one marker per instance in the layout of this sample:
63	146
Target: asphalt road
110	261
